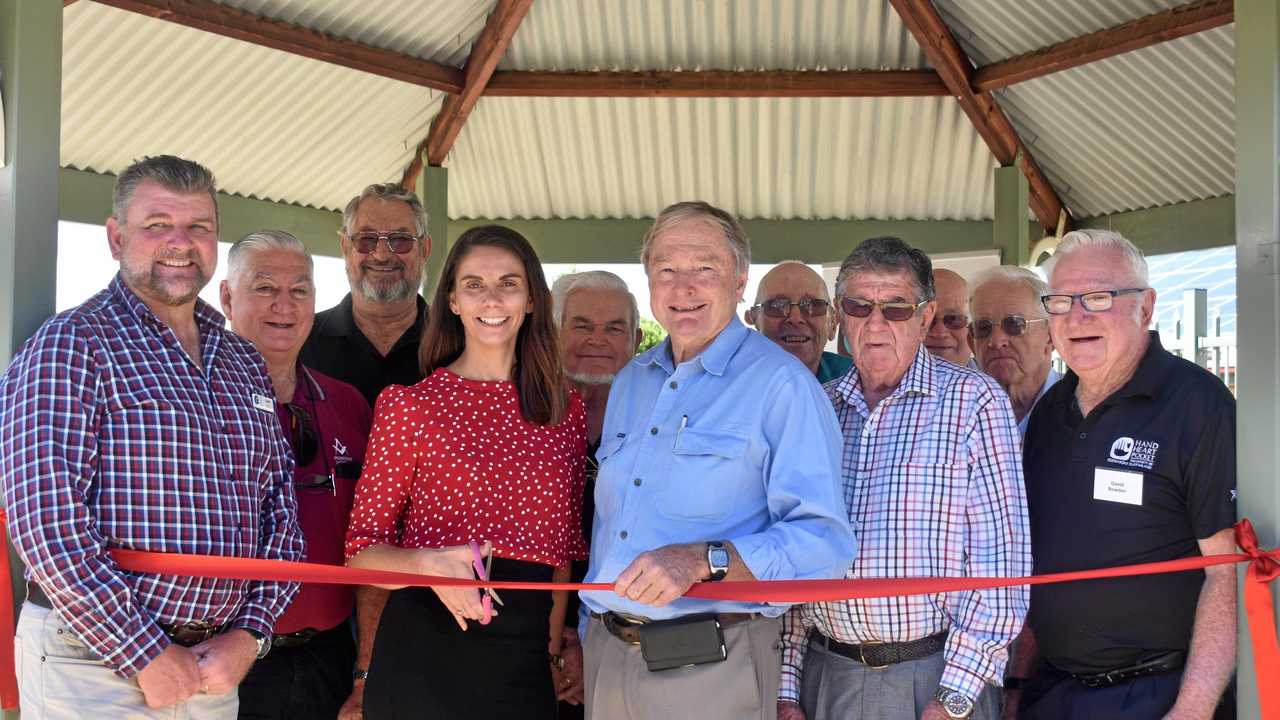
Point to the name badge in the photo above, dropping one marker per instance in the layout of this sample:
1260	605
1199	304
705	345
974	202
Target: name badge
1117	486
264	403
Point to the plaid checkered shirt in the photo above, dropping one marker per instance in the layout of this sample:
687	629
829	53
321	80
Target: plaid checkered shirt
933	483
110	437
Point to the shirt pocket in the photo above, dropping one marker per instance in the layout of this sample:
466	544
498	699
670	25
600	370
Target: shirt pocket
608	495
705	478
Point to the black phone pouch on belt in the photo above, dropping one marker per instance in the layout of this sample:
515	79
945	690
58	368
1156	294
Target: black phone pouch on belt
691	640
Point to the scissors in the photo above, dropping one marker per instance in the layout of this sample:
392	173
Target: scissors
488	595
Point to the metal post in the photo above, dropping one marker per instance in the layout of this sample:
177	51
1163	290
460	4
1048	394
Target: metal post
1010	229
1257	136
433	191
1195	324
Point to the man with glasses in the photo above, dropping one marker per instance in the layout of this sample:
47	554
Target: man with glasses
1010	335
269	299
1130	458
793	309
933	483
370	339
135	420
948	336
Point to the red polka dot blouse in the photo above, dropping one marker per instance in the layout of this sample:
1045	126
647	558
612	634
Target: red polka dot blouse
451	460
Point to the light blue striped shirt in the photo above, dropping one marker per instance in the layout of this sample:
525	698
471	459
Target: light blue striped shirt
739	443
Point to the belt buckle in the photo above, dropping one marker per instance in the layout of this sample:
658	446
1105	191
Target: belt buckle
862	655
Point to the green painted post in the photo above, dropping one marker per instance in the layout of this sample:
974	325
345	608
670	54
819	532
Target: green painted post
1010	230
1257	92
433	191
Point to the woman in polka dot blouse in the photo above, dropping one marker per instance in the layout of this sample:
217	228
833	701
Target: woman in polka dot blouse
490	447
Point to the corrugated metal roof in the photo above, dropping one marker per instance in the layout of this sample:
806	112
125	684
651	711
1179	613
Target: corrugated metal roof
1146	128
269	124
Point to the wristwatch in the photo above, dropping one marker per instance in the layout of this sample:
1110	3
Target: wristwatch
955	704
359	673
264	642
718	560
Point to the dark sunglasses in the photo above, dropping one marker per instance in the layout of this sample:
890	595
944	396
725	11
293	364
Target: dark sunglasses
781	307
400	242
1013	326
951	321
303	435
892	311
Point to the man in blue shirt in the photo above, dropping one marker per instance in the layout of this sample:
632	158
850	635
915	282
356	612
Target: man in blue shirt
719	460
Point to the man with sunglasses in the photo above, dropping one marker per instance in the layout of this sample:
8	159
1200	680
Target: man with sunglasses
933	483
1130	458
370	339
269	299
1010	336
793	309
948	336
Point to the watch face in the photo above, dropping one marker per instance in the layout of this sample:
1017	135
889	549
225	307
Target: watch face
719	558
957	705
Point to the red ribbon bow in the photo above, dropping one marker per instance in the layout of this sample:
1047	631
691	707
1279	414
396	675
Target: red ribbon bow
1264	566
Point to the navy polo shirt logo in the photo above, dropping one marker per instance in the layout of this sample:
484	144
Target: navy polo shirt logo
1134	453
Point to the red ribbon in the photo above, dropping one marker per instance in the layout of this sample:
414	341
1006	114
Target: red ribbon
1264	567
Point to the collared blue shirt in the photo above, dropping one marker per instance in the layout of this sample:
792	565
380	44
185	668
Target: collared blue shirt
739	443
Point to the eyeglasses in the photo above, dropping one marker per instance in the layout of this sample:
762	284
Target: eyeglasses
1094	301
1013	326
399	242
951	321
781	307
302	434
892	311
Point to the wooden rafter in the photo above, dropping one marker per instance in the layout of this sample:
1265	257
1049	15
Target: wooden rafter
1145	31
718	83
222	20
944	53
486	52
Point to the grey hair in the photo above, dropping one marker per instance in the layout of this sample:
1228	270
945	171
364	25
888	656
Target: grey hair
1013	274
892	255
672	215
173	173
1088	239
386	192
238	256
565	285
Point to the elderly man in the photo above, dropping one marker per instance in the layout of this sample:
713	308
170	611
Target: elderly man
933	483
136	421
948	335
1129	459
719	460
370	339
269	299
794	310
1010	334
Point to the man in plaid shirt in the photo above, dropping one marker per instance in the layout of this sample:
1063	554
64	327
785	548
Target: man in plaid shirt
136	421
933	482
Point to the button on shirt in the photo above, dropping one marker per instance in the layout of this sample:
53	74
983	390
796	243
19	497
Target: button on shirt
933	484
110	437
736	444
337	348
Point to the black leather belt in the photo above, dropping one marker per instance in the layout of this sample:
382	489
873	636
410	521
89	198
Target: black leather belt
186	634
882	654
1153	665
627	629
294	639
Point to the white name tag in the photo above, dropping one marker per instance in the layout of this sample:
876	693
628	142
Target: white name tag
1117	486
262	402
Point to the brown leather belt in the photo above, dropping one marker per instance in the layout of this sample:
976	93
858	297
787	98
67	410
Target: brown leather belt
881	654
627	628
186	634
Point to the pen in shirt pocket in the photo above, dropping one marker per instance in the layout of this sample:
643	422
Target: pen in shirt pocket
684	422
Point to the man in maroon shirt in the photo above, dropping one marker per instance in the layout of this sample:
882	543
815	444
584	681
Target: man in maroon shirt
269	298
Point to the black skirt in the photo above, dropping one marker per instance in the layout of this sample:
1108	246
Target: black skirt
425	666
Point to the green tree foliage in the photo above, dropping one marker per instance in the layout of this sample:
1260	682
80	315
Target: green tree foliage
653	334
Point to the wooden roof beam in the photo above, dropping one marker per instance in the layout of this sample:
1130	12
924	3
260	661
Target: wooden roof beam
230	22
944	53
1134	35
718	83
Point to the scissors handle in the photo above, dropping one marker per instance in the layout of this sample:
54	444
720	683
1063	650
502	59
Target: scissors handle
477	564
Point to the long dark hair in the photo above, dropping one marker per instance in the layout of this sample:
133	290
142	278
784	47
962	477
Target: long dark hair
539	377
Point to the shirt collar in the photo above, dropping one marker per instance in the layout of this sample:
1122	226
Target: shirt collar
318	391
918	380
341	322
205	316
714	359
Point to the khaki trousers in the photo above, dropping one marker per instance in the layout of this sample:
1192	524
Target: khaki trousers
60	677
744	687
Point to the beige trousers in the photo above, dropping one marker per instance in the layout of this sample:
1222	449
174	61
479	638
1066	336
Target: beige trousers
59	677
744	687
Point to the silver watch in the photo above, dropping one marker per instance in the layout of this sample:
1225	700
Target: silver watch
955	704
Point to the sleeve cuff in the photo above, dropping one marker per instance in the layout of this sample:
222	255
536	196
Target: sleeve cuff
138	651
760	559
962	681
253	617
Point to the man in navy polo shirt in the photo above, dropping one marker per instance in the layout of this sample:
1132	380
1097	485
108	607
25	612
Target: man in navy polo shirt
269	297
1130	458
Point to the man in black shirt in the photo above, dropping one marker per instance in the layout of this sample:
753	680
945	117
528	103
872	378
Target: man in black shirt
1130	458
370	339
